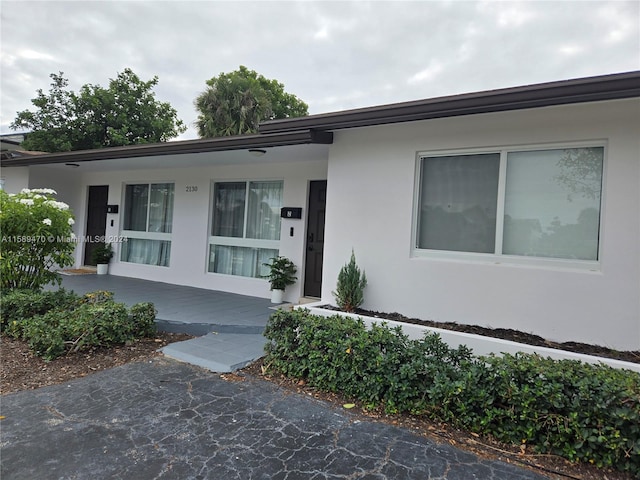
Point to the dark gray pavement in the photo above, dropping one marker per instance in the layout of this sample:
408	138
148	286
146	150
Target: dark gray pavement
169	420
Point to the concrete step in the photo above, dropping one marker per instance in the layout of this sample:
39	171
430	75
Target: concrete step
218	352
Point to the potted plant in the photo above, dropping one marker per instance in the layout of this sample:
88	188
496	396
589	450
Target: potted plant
102	255
281	274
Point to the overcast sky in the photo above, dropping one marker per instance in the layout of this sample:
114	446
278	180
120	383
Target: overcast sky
332	55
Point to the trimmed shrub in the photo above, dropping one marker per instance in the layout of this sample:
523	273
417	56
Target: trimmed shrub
52	334
576	410
54	323
18	305
579	411
143	319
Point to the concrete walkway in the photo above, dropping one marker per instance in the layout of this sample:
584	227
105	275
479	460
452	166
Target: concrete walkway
229	326
168	420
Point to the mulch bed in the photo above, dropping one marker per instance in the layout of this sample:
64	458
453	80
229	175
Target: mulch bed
21	370
505	334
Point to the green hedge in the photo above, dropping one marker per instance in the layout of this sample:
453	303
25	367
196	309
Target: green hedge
580	411
54	323
16	305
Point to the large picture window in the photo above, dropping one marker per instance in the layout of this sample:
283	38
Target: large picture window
147	223
245	227
525	203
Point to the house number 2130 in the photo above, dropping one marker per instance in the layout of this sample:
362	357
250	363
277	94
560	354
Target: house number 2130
192	188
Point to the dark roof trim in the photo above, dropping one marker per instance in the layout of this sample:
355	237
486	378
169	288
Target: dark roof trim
238	142
591	89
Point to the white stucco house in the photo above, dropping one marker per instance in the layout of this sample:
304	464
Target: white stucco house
514	208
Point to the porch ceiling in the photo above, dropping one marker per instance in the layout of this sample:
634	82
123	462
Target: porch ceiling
278	147
282	154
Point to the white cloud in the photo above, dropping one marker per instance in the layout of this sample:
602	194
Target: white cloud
622	24
514	15
28	54
428	74
570	49
322	34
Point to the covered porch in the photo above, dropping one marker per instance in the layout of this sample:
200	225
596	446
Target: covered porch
228	326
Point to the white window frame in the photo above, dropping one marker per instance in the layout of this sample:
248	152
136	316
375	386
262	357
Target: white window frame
146	235
498	258
239	241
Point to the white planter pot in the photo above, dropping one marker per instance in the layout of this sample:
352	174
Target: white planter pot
102	269
276	296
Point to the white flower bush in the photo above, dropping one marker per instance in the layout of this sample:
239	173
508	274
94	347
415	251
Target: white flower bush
46	191
58	205
35	237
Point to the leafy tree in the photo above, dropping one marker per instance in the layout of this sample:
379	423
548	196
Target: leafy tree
125	113
235	103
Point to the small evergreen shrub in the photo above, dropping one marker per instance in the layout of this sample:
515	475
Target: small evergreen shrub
349	292
580	411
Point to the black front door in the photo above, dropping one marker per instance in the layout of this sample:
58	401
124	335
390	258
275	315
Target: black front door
315	238
96	219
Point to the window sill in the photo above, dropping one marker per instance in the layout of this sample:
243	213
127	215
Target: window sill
586	266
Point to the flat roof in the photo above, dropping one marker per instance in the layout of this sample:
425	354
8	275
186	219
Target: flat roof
317	129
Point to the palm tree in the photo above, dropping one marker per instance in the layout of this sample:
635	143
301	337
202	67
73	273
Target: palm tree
231	106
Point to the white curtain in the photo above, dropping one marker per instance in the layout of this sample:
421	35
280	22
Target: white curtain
247	210
242	261
228	209
161	207
148	208
265	202
148	252
136	201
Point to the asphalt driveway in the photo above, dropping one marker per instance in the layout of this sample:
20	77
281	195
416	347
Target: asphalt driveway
169	420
